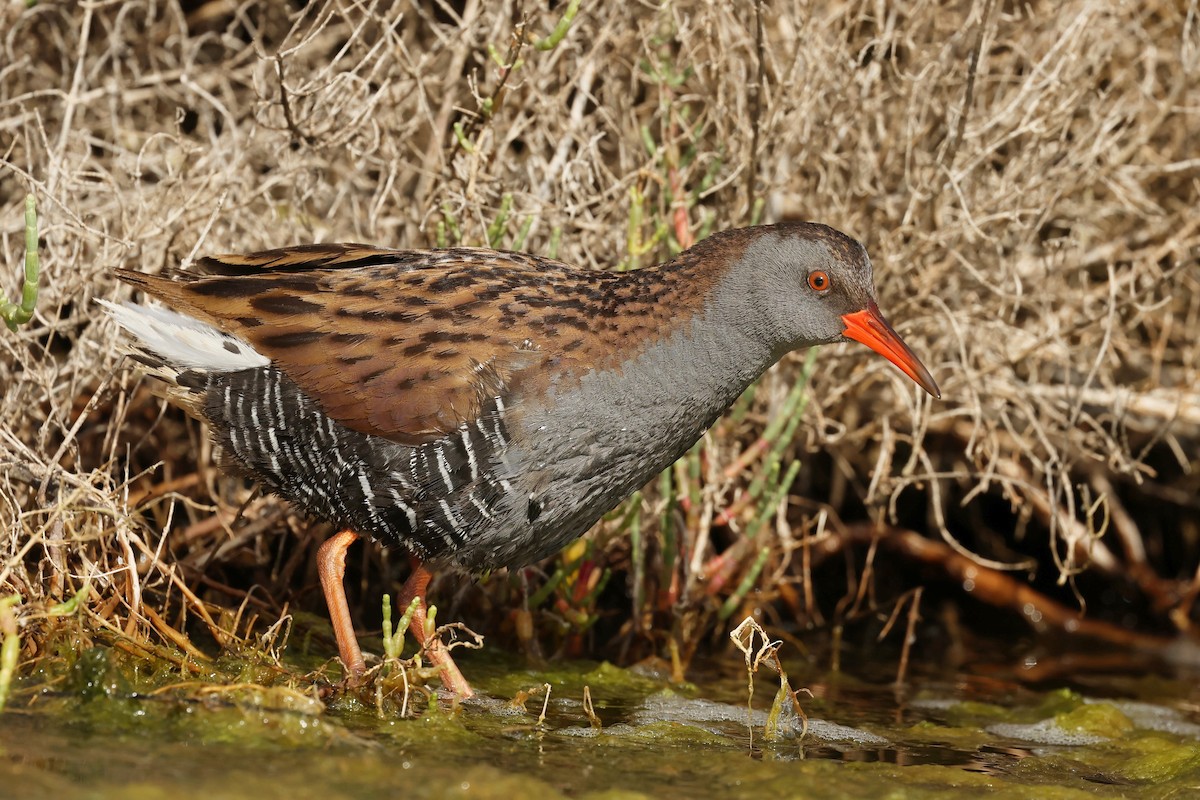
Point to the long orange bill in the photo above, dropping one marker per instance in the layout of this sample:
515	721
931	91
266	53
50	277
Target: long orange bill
869	327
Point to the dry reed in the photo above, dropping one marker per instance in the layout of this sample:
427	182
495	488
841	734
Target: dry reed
1026	178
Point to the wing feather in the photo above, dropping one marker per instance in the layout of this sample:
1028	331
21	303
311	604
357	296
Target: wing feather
400	344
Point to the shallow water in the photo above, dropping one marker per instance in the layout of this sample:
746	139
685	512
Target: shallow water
99	732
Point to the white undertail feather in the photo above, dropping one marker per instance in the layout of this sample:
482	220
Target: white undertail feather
183	342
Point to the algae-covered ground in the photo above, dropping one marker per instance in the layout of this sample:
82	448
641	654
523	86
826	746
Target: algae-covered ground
97	729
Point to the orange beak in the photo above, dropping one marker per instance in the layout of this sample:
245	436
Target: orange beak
869	327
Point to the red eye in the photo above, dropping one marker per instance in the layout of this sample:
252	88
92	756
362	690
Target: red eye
818	280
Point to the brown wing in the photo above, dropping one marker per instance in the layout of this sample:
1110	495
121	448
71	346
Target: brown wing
400	344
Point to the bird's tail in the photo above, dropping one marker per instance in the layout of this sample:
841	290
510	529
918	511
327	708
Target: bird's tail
180	349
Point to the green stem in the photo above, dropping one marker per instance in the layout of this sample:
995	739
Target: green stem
452	228
18	314
746	585
768	508
539	597
519	242
560	30
388	640
460	133
495	231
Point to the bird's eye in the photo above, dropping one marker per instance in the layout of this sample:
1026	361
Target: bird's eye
818	280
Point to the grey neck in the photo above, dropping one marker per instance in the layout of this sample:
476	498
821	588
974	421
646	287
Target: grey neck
659	402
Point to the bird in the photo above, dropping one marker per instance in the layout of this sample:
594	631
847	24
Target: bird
483	408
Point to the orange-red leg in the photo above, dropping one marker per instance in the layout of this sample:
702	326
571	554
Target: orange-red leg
331	566
437	653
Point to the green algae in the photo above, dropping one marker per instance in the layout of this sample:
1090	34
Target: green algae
100	723
974	710
1157	759
1060	701
958	737
1100	719
667	733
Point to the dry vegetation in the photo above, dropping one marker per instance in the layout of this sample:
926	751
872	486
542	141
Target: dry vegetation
1026	178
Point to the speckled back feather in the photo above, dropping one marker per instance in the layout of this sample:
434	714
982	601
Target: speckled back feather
396	343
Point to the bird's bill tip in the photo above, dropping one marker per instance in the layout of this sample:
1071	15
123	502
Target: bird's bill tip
870	328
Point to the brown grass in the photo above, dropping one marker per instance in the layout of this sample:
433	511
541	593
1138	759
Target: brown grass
1025	177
